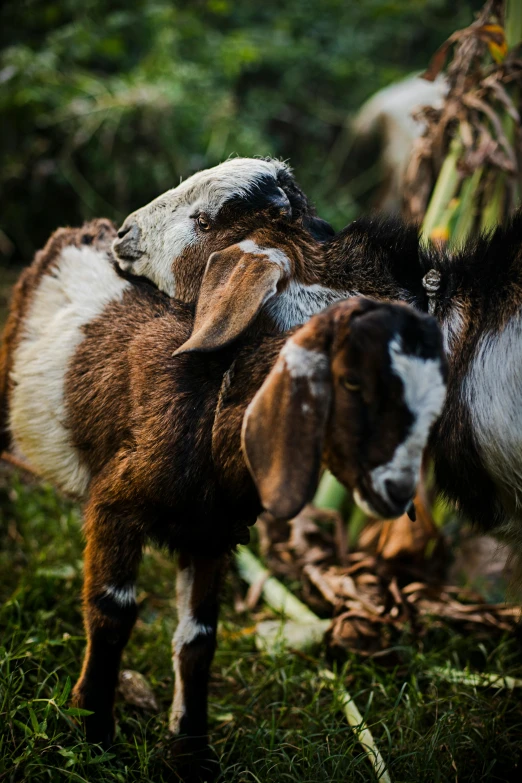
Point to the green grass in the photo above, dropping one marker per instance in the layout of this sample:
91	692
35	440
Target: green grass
272	720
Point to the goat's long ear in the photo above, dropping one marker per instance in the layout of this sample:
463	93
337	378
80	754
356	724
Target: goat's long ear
235	286
285	424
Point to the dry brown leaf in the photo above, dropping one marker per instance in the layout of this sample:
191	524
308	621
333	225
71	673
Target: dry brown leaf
135	690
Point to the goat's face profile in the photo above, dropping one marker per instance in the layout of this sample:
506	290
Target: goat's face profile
389	380
170	240
359	386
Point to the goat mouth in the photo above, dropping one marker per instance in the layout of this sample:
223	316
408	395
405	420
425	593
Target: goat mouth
128	257
125	252
376	506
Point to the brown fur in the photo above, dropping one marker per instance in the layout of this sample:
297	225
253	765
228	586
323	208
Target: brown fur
163	446
160	434
233	291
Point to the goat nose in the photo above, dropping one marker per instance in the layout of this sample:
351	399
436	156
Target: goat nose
127	245
399	492
124	230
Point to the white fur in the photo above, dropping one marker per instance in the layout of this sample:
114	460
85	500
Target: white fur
389	112
452	328
312	366
163	247
124	596
167	224
274	254
424	393
299	302
188	629
301	362
75	292
492	390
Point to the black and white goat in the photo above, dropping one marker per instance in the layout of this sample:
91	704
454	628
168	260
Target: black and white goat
108	394
476	296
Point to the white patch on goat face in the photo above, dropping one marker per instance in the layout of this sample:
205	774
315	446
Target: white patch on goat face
173	235
299	302
301	363
123	596
492	392
74	292
273	254
167	225
188	629
424	392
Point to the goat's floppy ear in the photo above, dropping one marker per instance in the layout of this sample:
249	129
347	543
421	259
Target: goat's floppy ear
236	284
285	424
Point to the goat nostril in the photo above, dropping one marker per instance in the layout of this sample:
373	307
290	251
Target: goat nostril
123	230
399	494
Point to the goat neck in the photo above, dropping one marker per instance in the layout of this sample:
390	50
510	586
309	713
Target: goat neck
377	257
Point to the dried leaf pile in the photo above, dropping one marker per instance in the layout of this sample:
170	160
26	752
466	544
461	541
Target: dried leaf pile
370	596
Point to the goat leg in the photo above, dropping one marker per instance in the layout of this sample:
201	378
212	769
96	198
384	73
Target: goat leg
193	645
112	557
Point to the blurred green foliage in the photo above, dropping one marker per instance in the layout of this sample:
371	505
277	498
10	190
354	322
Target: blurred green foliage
104	105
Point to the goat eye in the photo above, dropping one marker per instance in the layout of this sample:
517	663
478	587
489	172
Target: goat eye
351	385
203	223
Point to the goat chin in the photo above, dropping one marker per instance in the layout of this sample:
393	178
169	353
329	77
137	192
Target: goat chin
365	506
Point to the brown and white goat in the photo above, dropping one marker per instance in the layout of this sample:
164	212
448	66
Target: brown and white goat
477	444
170	240
109	395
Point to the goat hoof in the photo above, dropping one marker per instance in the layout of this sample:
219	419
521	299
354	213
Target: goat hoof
98	727
99	732
191	760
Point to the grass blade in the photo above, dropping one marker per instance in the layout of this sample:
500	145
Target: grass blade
275	594
251	570
356	721
477	680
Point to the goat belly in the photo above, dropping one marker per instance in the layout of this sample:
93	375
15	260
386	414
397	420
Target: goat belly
477	444
212	531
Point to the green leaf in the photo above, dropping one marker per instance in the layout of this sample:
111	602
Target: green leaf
60	700
77	712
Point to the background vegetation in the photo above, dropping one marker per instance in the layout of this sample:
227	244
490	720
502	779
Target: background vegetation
271	718
104	105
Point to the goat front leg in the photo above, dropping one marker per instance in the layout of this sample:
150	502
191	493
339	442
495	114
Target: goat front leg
197	591
112	557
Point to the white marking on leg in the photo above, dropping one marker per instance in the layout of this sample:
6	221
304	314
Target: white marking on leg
188	629
424	392
79	286
123	596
